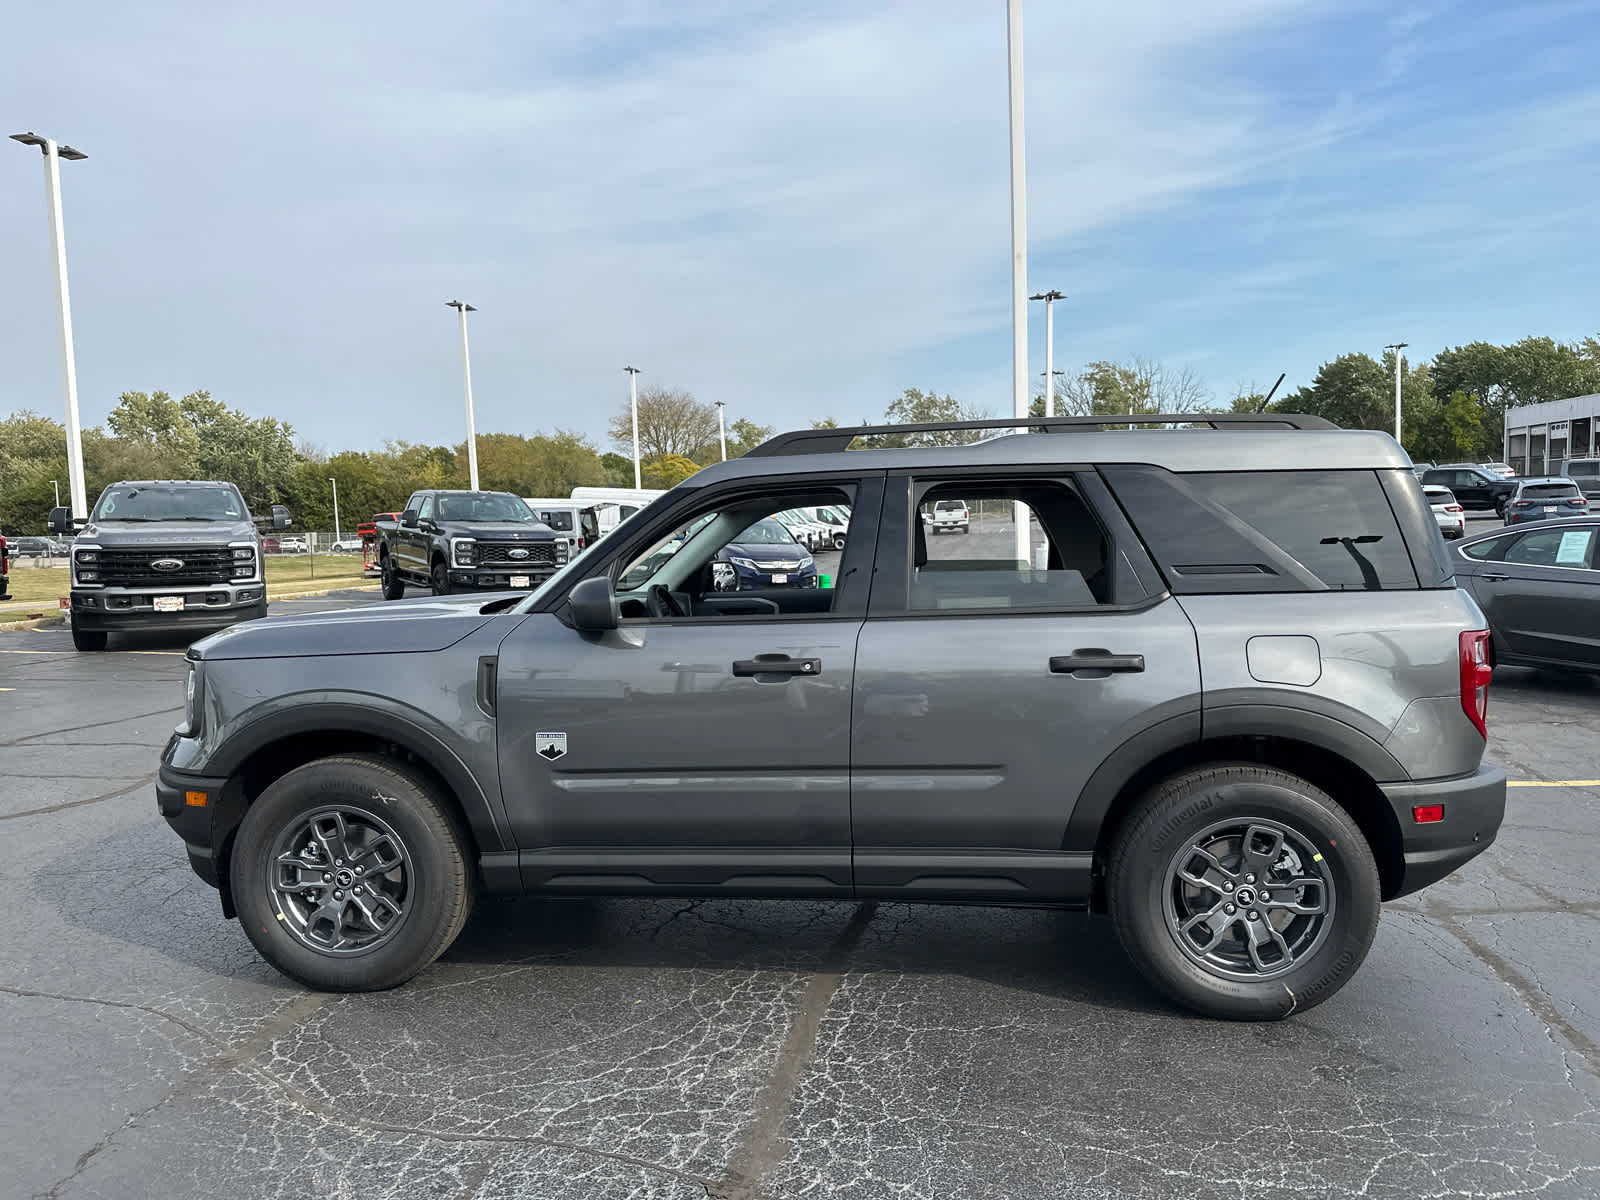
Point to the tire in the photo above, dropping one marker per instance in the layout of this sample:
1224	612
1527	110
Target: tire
90	641
441	578
1312	957
394	587
838	541
395	814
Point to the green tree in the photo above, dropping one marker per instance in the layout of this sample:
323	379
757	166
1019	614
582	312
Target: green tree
1530	371
916	407
667	471
744	435
618	469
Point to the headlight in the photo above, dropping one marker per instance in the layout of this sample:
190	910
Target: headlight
243	554
88	556
191	703
465	551
561	550
747	563
88	576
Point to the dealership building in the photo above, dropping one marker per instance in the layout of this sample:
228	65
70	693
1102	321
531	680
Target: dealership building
1540	438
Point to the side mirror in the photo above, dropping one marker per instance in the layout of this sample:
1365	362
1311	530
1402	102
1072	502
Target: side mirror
280	517
61	521
594	605
409	518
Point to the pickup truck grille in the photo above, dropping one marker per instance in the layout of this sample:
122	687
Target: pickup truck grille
498	554
132	568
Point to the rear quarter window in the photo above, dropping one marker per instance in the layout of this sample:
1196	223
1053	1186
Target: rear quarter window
1270	531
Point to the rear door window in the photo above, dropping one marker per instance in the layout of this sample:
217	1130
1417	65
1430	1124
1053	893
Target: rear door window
1553	548
1267	531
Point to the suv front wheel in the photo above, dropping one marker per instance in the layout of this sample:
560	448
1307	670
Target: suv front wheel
1243	892
350	874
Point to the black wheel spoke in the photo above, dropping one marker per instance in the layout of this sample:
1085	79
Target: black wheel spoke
1268	949
1303	895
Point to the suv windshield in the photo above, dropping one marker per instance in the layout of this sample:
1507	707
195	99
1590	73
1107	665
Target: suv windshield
492	506
168	502
765	532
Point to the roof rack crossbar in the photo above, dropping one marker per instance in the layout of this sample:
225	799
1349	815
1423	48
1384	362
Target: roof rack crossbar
827	441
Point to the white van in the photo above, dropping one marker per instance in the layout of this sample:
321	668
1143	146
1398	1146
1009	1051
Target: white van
612	506
576	522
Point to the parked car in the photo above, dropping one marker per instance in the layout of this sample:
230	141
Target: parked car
32	547
1473	487
948	516
292	545
164	555
1539	586
1503	470
1451	517
1544	500
1585	472
1241	704
764	555
576	522
466	541
345	546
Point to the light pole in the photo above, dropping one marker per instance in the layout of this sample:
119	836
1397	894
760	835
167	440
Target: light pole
335	483
462	309
633	404
69	369
1397	347
57	487
722	430
1019	253
1049	299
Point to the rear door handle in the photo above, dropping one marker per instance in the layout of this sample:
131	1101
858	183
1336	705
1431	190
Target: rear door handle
1095	660
1495	578
777	664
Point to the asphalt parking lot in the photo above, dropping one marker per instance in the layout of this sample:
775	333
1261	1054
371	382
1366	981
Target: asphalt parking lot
623	1048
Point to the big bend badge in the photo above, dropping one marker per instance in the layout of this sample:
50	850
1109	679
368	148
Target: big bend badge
550	746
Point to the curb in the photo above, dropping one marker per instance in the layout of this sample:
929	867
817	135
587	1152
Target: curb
328	591
39	621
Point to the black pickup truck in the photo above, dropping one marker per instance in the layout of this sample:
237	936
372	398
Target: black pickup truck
466	541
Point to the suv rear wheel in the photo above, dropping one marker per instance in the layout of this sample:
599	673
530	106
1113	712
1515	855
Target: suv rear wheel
1243	892
350	874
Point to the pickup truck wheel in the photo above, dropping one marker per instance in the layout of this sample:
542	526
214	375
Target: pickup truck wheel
441	578
350	874
393	586
1243	892
91	640
838	541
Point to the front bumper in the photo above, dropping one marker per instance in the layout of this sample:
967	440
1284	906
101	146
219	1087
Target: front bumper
500	581
195	823
214	607
1474	806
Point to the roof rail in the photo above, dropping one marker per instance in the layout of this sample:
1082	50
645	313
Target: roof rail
825	441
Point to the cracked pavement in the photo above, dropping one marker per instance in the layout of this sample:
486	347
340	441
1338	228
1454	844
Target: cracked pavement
675	1049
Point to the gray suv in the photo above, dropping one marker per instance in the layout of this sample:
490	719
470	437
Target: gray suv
1236	708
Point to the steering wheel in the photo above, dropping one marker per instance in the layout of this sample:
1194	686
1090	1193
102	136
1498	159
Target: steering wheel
663	603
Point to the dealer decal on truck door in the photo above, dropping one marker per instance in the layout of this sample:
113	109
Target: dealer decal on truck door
550	745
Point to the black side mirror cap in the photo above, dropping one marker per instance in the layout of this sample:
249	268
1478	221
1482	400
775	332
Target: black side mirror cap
409	517
593	604
61	520
280	517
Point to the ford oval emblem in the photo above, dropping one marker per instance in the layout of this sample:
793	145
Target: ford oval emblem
518	553
167	564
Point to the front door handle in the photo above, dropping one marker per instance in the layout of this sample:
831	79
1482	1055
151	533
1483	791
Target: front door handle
1095	660
777	664
1495	578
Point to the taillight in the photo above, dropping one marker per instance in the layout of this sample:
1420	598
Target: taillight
1454	508
1578	502
1475	675
1522	504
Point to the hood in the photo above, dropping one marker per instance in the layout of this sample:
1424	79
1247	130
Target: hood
397	627
767	552
166	533
509	531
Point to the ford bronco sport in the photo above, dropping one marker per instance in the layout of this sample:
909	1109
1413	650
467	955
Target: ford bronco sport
1236	708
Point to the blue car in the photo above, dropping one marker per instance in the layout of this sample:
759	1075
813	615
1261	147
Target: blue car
1545	500
765	555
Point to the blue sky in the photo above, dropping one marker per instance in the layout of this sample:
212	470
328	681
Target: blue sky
795	209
